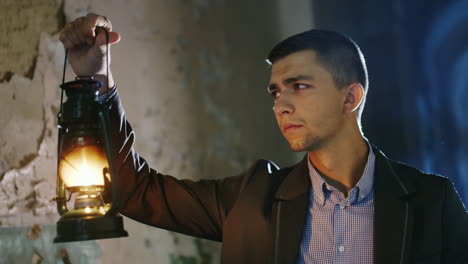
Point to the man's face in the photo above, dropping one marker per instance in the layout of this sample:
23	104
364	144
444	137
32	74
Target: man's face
308	104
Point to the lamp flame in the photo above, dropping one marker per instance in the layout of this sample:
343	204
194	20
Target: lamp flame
84	166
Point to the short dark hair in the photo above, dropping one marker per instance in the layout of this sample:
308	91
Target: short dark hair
336	52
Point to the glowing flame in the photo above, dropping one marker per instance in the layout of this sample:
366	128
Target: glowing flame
83	166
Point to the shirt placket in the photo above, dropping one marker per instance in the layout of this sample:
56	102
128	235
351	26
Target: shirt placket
341	247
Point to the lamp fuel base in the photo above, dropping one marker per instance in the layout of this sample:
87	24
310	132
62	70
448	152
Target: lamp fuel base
107	226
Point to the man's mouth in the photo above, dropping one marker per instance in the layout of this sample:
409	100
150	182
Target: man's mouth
290	127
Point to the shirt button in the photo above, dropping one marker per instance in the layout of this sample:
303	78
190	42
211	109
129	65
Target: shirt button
342	206
341	249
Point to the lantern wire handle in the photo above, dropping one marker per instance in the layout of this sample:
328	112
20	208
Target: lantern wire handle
63	79
60	112
107	59
60	198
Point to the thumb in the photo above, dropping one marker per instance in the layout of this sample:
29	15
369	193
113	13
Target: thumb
100	40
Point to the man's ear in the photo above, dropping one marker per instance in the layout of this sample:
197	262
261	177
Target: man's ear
354	97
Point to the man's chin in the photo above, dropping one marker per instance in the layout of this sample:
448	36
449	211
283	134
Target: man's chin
297	147
305	146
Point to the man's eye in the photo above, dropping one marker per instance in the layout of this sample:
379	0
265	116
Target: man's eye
300	86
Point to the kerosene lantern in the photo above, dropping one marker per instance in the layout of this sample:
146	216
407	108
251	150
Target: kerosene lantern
86	168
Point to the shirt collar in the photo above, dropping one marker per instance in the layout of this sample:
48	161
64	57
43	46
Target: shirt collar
359	192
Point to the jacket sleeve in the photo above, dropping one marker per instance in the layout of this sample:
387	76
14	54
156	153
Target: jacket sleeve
455	224
196	208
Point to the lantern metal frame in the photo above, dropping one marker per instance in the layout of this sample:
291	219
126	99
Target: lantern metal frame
81	116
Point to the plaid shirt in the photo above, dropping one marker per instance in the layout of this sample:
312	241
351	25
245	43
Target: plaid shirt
339	229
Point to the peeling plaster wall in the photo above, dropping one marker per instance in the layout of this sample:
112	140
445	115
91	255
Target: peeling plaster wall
192	78
21	22
27	114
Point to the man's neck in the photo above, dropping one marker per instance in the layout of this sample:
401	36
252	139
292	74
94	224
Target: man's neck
341	164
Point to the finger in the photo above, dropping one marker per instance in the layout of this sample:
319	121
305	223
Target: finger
93	21
78	29
66	42
114	37
64	36
73	36
76	34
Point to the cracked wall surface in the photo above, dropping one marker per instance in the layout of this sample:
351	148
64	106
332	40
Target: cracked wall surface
192	78
27	117
21	23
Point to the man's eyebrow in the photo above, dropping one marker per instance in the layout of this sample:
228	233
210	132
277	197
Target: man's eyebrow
298	78
290	80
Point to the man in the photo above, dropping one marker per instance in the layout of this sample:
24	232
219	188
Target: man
344	203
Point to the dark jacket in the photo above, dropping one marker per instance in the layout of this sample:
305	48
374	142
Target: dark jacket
260	214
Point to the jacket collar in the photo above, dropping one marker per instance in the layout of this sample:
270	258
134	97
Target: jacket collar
389	178
297	182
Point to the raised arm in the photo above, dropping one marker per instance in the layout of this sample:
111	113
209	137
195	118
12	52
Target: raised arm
196	208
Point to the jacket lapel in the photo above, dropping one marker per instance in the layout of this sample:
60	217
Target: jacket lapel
292	201
393	214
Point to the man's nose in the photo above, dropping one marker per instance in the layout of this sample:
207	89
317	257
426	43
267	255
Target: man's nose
284	105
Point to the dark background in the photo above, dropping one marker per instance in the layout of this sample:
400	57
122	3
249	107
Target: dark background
417	57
